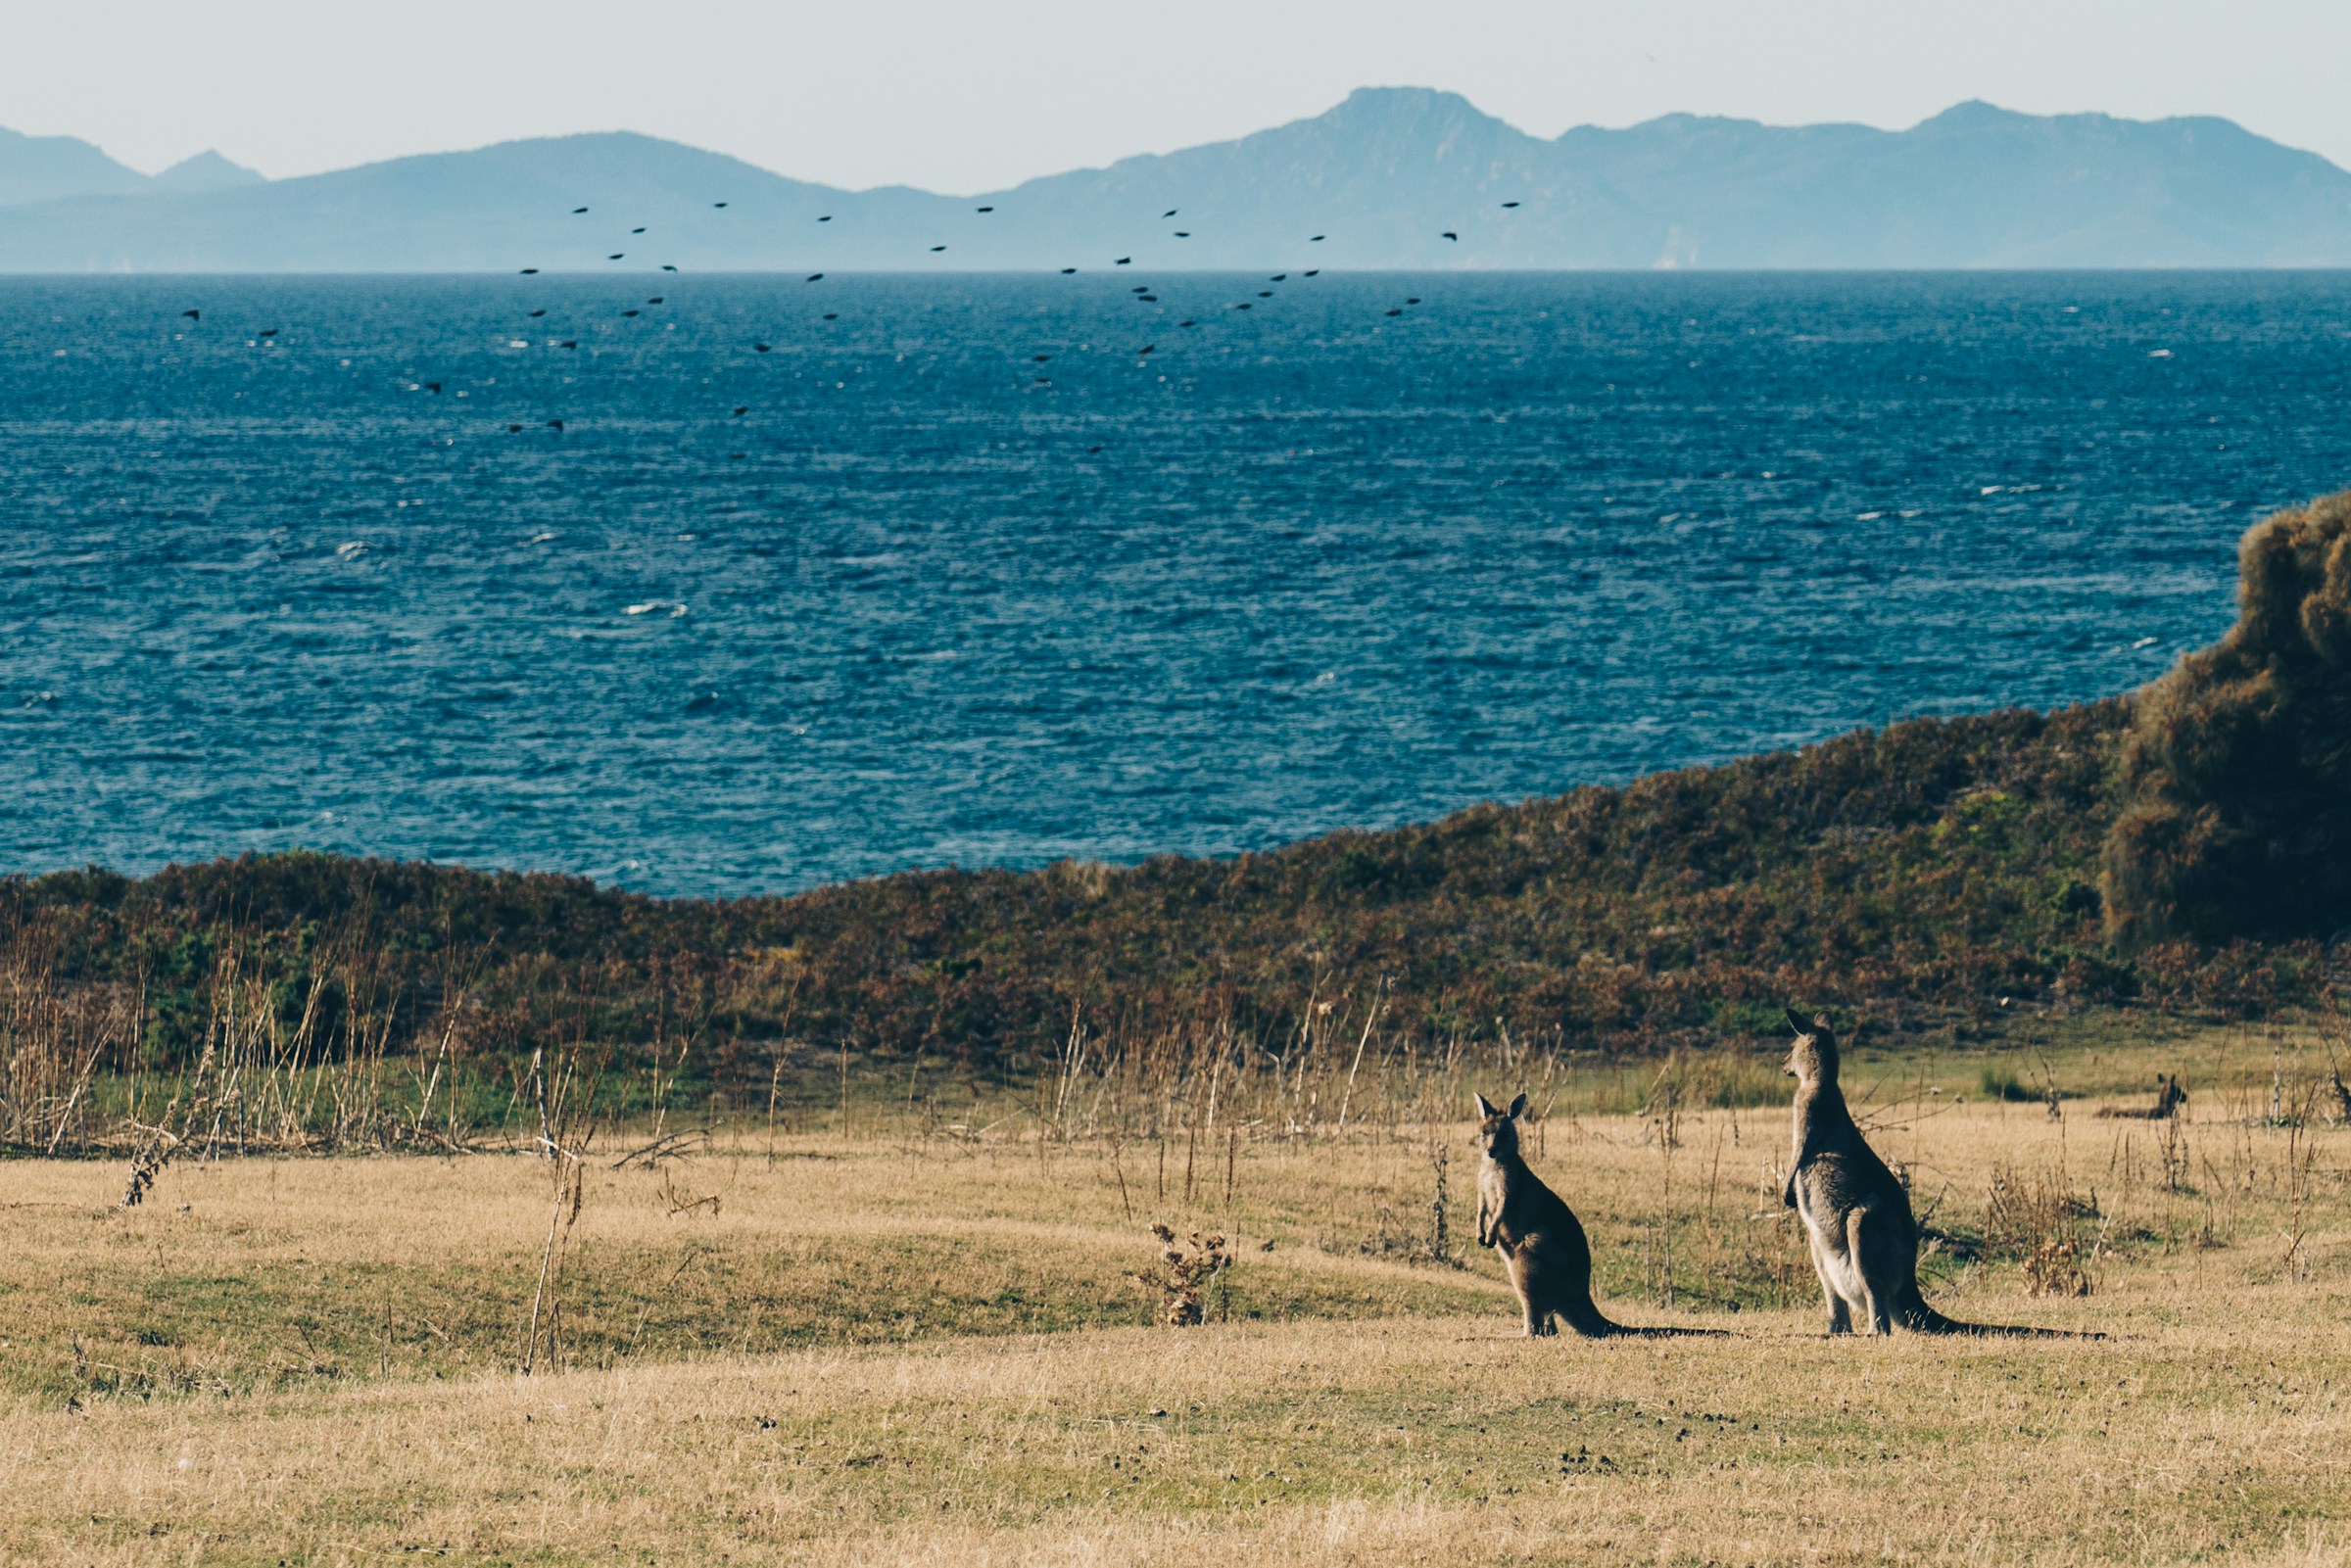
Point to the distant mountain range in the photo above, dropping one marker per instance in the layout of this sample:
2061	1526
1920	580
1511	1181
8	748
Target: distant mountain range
1393	177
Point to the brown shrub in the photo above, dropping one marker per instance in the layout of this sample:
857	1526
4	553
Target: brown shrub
2237	771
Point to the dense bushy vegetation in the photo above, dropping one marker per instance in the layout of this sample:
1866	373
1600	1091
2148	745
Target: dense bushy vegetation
1923	871
2237	767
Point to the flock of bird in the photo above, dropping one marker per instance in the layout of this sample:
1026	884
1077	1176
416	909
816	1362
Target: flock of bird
1146	294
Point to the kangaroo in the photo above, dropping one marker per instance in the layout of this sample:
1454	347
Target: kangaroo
1542	1246
2169	1098
1864	1239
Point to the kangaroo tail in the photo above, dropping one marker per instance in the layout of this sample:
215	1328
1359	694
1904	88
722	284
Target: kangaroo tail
1585	1318
1918	1317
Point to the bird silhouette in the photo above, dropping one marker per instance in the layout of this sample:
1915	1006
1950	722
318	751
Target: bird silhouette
760	348
1395	312
266	332
1411	301
510	429
814	276
718	204
534	314
1150	299
528	270
1279	277
832	316
577	210
1451	235
616	256
1312	272
740	413
827	219
656	299
1170	212
1265	293
983	208
571	343
1124	260
1040	359
636	231
666	267
1065	273
193	315
1316	239
936	248
556	424
632	312
1148	348
1184	234
432	385
1510	203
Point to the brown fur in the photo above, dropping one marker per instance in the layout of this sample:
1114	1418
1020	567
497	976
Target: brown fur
1541	1242
1855	1211
2169	1098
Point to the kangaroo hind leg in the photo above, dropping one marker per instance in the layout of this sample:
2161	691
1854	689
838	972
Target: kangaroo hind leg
1841	1317
1874	1242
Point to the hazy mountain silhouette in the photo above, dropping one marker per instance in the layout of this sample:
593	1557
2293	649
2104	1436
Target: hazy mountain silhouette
1382	175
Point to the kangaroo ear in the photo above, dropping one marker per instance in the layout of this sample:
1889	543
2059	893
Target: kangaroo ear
1820	1024
1795	1021
1518	1105
1485	1106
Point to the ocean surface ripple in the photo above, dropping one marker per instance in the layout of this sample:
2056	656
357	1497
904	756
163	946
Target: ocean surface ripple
932	601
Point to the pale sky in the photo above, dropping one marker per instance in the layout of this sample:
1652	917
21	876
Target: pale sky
969	95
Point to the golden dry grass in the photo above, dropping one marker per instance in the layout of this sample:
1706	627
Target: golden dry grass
881	1350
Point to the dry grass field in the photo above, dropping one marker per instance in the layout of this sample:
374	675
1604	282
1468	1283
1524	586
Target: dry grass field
887	1343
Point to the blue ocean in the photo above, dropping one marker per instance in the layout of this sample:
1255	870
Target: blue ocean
825	580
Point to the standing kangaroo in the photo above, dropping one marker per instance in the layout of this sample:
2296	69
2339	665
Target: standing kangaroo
1542	1246
1864	1240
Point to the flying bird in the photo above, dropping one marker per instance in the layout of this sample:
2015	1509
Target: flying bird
1265	293
760	348
510	429
616	256
266	332
1184	234
1040	359
1148	348
636	231
556	424
827	219
666	267
632	312
1150	299
1395	312
1143	289
1411	301
936	248
814	276
1065	273
1170	212
718	204
1312	272
432	385
1314	239
740	413
1451	235
1277	277
1187	323
577	210
656	299
832	316
534	314
983	208
193	315
571	343
1510	203
1123	261
528	270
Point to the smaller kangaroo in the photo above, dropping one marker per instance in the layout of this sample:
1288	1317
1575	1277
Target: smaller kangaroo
1543	1247
1857	1215
2169	1098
